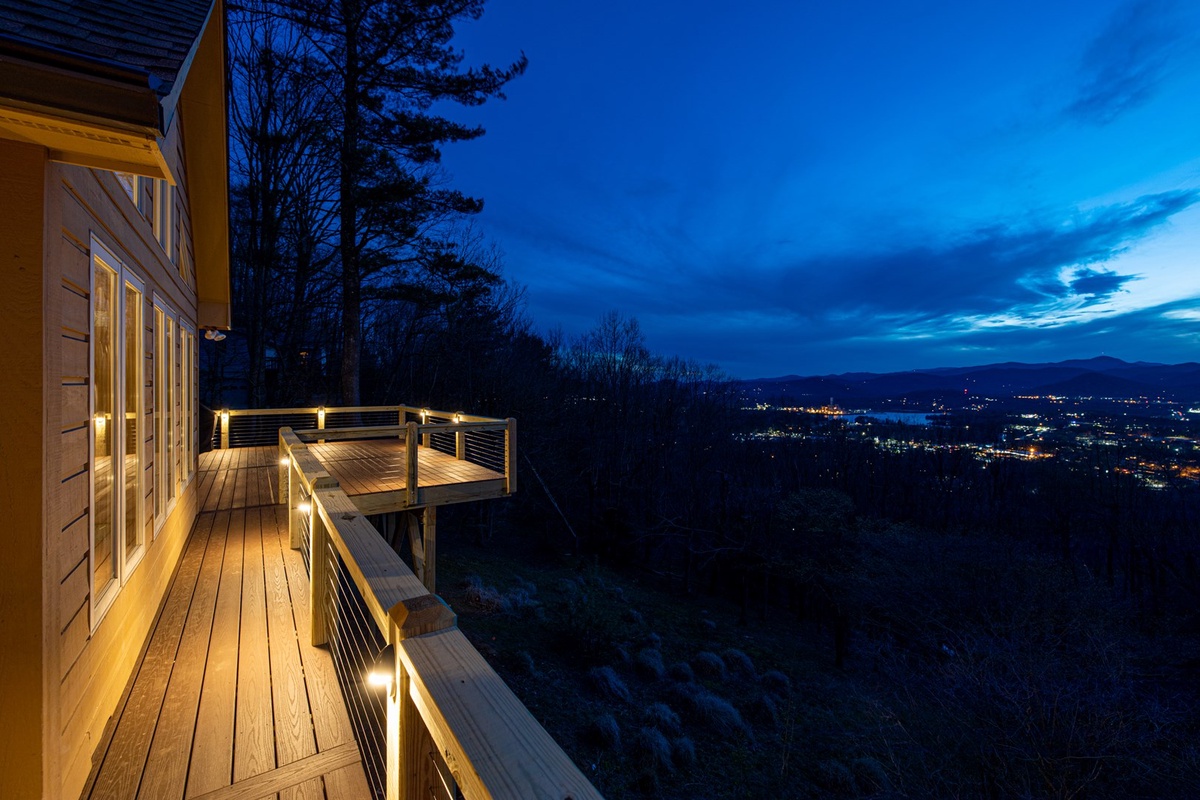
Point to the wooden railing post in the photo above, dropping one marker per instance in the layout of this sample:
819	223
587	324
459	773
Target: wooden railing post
224	428
460	440
318	574
282	488
321	422
411	773
510	456
410	457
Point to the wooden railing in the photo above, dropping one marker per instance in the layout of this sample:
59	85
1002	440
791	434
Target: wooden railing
487	441
452	725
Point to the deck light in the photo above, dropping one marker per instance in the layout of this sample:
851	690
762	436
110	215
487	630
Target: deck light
321	417
285	462
458	415
304	508
383	670
225	416
424	415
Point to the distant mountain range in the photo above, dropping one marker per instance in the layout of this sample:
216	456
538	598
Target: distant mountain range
1095	377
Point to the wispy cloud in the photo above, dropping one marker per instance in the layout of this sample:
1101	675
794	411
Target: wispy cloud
1124	66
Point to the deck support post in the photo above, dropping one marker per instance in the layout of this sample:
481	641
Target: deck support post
430	547
410	457
415	543
224	428
510	456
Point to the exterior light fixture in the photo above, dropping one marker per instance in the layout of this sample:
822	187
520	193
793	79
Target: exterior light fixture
424	415
285	462
321	417
225	416
383	670
214	336
458	415
304	507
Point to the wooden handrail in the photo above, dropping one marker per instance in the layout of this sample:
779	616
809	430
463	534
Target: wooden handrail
443	691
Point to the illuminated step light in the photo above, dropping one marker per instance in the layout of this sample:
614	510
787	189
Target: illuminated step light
285	462
383	671
304	508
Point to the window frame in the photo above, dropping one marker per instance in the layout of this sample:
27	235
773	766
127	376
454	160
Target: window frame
101	599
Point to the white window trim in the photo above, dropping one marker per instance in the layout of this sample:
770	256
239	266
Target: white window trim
98	606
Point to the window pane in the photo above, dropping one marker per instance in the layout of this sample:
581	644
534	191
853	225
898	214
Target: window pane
105	428
160	458
133	418
169	418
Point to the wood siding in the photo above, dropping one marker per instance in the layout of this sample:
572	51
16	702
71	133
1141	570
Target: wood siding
89	666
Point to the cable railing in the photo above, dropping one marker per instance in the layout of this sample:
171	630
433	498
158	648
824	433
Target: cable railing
486	441
449	726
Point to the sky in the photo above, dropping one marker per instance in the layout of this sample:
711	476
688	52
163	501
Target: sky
822	187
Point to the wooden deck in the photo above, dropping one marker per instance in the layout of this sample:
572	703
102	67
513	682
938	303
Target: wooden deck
229	701
372	473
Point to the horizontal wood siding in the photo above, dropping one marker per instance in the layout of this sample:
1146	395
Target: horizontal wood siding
91	669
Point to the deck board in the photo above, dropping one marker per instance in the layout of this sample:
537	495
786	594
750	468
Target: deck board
228	691
372	466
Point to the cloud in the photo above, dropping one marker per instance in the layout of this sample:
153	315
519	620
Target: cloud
991	270
1098	285
1124	66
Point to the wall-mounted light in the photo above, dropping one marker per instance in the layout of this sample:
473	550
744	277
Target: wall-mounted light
383	670
214	336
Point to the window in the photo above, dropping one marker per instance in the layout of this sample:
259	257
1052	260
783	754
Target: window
187	400
155	201
163	494
117	351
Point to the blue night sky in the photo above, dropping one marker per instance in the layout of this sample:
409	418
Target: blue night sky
815	187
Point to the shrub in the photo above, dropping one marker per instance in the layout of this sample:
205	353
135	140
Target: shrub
524	664
603	732
484	598
708	709
719	715
777	683
591	620
763	711
683	752
740	664
608	684
522	602
836	778
652	641
682	672
660	715
649	664
709	665
653	753
869	775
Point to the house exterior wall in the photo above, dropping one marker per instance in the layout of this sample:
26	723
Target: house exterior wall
23	469
64	668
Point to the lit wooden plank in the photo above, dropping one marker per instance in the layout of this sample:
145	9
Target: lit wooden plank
166	773
212	751
254	745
